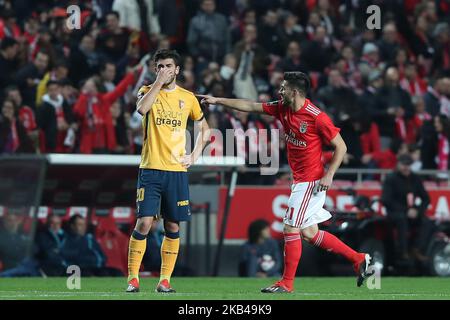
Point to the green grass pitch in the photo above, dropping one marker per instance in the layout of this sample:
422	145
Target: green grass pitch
225	288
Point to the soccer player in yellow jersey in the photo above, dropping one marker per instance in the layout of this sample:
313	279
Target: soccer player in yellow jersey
163	180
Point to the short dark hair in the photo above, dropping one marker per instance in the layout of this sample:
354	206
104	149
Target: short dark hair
105	63
255	228
299	81
52	82
61	63
168	54
114	13
8	42
74	218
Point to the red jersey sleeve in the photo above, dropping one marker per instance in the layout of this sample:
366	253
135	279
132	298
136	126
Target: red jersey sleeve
273	108
325	127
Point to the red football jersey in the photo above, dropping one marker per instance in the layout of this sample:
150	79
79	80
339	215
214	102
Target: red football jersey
305	132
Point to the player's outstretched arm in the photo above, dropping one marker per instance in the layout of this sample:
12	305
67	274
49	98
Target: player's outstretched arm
144	104
236	104
340	149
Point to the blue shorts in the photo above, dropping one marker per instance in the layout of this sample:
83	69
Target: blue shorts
170	189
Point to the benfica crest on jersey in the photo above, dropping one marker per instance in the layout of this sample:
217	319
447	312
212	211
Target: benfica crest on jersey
303	127
181	104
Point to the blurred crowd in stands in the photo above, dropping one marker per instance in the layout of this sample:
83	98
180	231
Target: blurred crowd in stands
98	248
74	91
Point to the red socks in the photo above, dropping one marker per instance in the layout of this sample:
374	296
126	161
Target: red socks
292	254
329	242
323	240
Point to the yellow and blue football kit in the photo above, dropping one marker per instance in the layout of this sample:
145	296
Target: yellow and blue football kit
163	181
162	178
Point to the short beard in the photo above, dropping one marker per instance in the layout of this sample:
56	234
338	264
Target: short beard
286	101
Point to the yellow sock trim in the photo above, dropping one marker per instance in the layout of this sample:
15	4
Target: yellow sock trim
136	250
169	254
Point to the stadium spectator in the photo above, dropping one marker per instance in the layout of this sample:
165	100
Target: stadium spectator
389	42
138	15
25	113
384	159
13	243
9	49
44	43
445	98
292	61
29	77
442	127
208	36
396	107
406	200
318	51
252	62
56	120
80	248
400	60
370	59
59	72
49	242
260	255
173	22
227	71
326	13
120	122
248	16
269	35
432	97
84	59
8	25
367	100
113	39
441	59
412	82
69	92
13	135
415	153
107	77
289	31
337	98
92	110
351	131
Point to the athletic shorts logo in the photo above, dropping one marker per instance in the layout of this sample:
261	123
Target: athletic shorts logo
303	127
183	203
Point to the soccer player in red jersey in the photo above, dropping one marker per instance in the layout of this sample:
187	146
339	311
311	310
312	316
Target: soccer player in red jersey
307	129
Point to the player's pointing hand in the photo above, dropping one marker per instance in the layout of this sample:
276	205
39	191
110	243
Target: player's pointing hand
207	99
